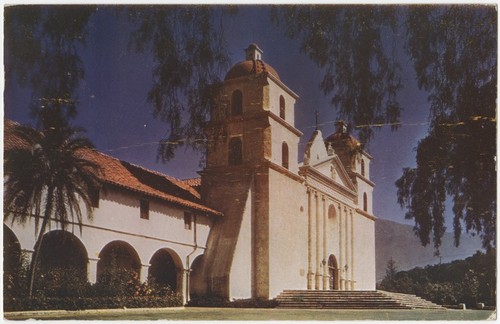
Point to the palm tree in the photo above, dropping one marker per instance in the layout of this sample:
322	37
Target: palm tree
48	177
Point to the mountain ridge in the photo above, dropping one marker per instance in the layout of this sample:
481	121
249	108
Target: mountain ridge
396	240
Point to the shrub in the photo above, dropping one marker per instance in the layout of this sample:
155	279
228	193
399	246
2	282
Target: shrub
62	282
444	293
67	289
72	303
239	303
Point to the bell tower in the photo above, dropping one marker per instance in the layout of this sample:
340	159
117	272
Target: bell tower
254	118
357	162
251	134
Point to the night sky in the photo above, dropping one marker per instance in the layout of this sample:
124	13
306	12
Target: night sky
114	110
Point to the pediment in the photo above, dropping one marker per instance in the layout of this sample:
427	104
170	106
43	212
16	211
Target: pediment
324	163
333	169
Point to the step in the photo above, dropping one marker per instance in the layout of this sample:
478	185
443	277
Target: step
412	300
351	300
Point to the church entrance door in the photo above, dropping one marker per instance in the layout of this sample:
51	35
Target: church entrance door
333	271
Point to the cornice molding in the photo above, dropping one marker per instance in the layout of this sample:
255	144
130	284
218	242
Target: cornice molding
365	214
320	177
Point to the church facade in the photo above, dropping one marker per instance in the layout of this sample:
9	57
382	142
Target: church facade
287	225
255	223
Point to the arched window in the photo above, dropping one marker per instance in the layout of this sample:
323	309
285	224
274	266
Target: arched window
362	167
284	155
282	107
365	202
237	103
235	151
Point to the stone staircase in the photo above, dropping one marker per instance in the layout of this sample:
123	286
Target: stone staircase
412	301
334	299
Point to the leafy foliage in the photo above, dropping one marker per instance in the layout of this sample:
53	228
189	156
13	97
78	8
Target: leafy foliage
125	282
189	51
42	51
391	269
454	51
59	288
467	281
48	177
352	45
16	277
62	282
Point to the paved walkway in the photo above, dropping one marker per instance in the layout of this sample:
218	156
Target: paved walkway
201	313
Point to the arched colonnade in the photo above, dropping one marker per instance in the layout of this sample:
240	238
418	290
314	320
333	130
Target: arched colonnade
63	250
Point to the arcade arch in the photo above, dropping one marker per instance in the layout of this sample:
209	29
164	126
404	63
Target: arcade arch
117	255
62	250
166	269
11	251
196	277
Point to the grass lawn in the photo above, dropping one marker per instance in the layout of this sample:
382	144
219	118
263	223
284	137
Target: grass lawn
195	313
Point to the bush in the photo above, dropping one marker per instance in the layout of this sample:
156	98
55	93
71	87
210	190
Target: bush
66	289
444	293
62	282
15	281
72	303
467	281
239	303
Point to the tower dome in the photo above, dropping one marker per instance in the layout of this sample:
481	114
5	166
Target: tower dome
253	65
342	137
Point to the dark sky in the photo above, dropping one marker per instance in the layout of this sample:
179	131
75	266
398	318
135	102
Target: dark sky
119	120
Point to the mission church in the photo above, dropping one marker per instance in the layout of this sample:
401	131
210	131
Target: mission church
255	223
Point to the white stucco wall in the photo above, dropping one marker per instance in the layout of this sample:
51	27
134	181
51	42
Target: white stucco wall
287	234
274	92
241	268
364	252
280	134
364	187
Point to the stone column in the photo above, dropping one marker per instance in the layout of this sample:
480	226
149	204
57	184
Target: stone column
347	238
324	262
92	270
352	252
309	239
341	251
143	277
318	238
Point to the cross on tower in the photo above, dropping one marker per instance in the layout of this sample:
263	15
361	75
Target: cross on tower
317	115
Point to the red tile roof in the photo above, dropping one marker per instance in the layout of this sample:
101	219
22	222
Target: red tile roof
132	177
250	67
10	141
192	182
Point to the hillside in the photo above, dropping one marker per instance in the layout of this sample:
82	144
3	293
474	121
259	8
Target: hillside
399	242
